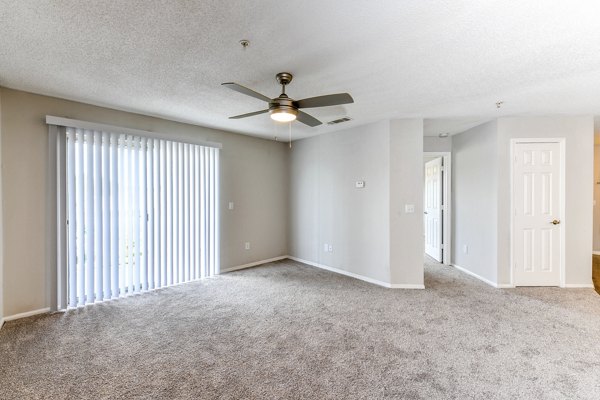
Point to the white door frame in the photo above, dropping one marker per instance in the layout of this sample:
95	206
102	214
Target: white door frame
562	195
447	198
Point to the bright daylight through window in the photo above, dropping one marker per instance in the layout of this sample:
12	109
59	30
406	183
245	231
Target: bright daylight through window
142	214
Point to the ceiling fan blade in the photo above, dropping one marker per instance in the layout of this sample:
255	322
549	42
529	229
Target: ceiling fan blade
249	114
307	119
246	91
324	101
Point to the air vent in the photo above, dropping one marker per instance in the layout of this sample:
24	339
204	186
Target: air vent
339	121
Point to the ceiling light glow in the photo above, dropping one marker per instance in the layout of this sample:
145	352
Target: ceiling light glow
283	115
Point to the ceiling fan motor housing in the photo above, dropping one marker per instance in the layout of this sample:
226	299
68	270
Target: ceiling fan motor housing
283	103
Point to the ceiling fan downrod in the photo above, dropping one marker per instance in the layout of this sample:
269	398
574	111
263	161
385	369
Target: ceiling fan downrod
284	78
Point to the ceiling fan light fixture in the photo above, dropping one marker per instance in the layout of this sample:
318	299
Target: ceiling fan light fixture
286	109
283	114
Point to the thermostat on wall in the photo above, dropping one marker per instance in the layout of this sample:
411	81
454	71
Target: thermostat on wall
360	184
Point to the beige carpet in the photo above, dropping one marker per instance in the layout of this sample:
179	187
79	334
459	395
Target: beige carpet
290	331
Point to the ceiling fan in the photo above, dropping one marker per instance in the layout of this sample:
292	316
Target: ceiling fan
286	109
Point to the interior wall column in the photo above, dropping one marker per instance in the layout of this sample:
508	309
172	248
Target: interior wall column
406	203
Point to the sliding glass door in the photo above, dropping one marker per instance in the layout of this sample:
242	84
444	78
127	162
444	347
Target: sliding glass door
142	213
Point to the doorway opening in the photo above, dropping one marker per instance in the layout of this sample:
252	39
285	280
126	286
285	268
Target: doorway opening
437	225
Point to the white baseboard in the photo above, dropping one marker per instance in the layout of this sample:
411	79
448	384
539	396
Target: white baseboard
579	285
252	264
405	286
1	322
481	278
509	286
357	276
341	272
26	314
505	286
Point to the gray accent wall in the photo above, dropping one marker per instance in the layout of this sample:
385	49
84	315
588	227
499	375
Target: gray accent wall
407	241
437	144
474	200
327	208
579	146
481	197
254	175
368	229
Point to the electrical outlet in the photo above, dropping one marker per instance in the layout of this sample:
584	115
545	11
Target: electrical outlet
231	205
247	246
325	247
465	249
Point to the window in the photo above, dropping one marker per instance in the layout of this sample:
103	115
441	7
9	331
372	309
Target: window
141	213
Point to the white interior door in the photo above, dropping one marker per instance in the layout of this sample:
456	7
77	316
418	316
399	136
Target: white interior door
433	209
537	207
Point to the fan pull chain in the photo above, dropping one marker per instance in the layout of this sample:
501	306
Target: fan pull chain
290	125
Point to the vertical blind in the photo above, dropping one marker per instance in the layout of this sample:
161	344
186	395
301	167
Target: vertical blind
142	214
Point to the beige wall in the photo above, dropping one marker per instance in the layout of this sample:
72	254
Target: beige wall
254	175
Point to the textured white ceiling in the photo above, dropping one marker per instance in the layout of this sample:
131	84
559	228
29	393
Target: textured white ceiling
449	61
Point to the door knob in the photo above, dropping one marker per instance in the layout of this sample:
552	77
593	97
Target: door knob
555	222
